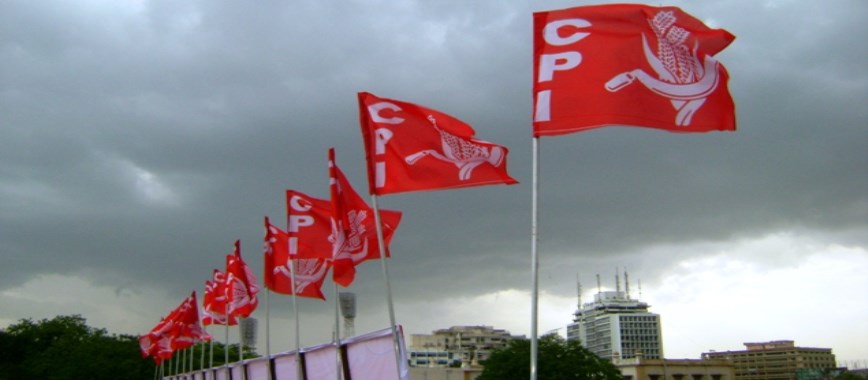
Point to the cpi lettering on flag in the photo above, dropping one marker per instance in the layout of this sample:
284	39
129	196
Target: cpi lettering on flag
587	60
411	148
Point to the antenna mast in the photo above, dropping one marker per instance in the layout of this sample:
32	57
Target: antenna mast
617	281
579	291
626	283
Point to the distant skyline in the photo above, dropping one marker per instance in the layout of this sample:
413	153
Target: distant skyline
139	139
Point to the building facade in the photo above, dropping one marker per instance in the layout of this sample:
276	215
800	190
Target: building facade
457	346
615	325
776	360
639	368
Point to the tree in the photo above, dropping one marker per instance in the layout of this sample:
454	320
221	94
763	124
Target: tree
557	359
66	348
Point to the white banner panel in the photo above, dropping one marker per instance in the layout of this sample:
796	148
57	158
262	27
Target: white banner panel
257	369
321	362
285	366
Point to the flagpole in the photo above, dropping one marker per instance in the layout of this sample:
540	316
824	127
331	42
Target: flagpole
241	348
226	346
534	260
211	349
268	328
202	356
392	324
337	337
298	371
267	324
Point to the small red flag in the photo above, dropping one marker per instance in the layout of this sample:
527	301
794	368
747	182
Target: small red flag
309	273
411	148
309	226
241	287
214	301
354	234
630	65
187	331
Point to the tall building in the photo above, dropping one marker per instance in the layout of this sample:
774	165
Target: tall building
615	325
776	360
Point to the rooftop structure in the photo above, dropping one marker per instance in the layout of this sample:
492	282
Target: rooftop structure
616	325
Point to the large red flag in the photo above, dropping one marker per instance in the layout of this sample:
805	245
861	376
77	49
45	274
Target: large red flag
214	301
354	234
241	287
309	273
630	65
412	148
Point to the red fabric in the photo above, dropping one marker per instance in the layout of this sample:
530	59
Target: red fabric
354	233
241	287
214	301
187	331
309	273
629	65
413	148
309	226
179	330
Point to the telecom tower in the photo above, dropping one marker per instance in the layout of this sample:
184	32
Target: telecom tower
615	325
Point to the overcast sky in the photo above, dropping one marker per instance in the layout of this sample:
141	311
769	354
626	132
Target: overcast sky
140	138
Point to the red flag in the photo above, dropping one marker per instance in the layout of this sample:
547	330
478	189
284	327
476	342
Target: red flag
187	331
354	234
214	301
241	287
412	148
631	65
179	330
309	226
309	273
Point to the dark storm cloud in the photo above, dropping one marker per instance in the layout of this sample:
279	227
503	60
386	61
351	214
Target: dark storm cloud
140	139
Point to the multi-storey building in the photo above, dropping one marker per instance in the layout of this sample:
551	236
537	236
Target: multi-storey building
639	368
457	345
615	325
776	360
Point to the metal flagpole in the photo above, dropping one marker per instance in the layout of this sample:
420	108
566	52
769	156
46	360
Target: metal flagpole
382	244
267	323
534	259
211	355
298	371
337	337
226	346
297	323
202	356
268	328
241	348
